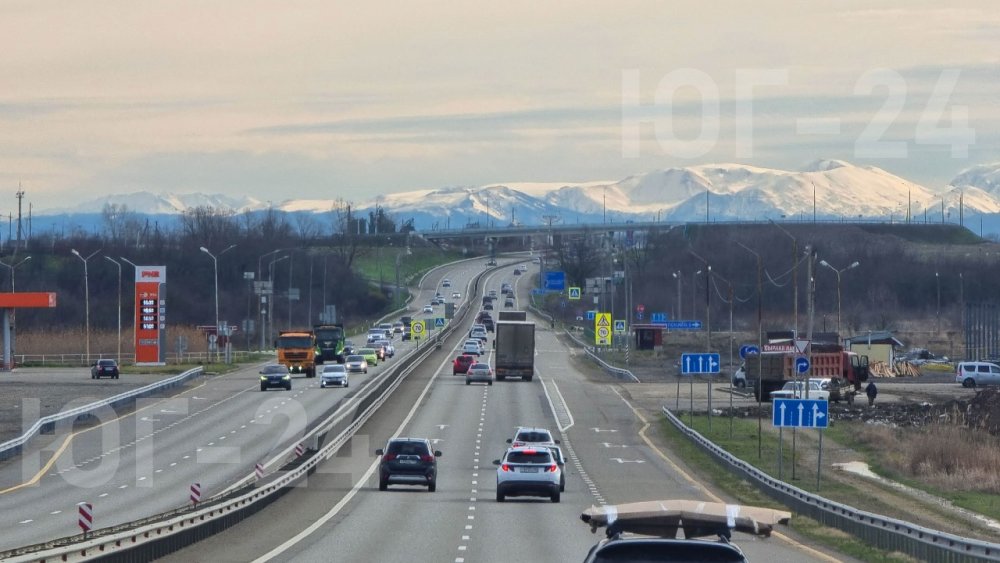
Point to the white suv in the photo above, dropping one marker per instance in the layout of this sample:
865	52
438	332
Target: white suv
529	471
972	374
531	436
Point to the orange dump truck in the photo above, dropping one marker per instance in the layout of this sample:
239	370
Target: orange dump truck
297	351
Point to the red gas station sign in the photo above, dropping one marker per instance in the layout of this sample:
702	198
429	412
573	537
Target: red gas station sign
150	315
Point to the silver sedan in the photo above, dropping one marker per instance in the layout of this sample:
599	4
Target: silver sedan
479	372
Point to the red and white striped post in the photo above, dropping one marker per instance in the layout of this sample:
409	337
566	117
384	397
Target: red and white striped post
299	450
195	494
259	470
86	518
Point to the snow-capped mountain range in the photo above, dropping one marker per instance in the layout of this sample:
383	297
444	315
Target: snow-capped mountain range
837	189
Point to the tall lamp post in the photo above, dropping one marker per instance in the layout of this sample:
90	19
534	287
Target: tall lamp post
86	297
215	267
937	280
11	267
261	317
677	276
795	278
694	292
760	345
854	264
270	312
119	264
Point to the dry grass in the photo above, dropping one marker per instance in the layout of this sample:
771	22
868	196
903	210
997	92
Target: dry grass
941	456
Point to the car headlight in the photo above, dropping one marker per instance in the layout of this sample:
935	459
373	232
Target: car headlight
286	376
263	378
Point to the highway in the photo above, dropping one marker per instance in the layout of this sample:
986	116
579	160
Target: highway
143	463
339	514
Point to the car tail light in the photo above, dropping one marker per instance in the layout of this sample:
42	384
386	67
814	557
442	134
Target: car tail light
552	468
505	467
388	457
426	458
530	452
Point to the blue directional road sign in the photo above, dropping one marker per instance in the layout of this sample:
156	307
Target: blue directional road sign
748	350
801	364
683	325
700	363
801	413
555	281
591	315
658	318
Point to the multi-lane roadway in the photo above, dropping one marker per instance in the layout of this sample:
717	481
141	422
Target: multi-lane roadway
339	514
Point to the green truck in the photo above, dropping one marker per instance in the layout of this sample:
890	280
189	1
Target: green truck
330	340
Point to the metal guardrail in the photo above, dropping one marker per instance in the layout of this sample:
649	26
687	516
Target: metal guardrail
608	368
13	447
883	532
186	526
79	360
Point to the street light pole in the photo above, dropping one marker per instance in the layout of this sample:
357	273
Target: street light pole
677	276
270	304
119	264
854	264
261	318
760	346
795	279
215	268
937	279
86	297
11	267
694	292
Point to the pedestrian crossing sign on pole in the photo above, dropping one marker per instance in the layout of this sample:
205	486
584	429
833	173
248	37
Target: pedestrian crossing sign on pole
620	327
602	329
438	322
574	293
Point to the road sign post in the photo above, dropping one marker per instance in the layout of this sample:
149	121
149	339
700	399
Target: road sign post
417	329
574	294
801	413
602	329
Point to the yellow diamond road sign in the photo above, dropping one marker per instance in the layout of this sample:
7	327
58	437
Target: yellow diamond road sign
602	329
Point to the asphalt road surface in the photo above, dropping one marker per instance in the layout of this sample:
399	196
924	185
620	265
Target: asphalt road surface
143	463
339	514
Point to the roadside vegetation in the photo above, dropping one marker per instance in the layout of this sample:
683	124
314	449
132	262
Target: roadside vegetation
948	463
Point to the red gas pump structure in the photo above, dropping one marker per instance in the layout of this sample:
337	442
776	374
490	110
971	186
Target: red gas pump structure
9	301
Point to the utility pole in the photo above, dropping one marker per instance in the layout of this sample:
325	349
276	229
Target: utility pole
20	196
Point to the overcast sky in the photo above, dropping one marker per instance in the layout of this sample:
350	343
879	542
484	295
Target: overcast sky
320	99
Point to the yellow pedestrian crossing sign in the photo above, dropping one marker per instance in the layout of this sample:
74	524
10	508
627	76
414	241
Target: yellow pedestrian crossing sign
574	293
417	328
602	329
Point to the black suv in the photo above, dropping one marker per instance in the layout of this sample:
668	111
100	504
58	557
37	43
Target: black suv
408	461
104	368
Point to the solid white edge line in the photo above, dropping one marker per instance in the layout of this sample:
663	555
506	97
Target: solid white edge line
289	543
565	405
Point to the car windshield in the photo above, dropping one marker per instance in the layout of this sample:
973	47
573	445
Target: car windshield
355	358
106	363
333	369
533	456
295	342
479	366
534	436
274	369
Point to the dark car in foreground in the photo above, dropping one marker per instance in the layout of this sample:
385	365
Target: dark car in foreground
408	461
659	521
275	375
104	368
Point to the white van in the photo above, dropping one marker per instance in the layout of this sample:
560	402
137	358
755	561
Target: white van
973	374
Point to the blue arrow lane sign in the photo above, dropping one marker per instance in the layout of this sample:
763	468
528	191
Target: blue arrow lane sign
700	363
801	413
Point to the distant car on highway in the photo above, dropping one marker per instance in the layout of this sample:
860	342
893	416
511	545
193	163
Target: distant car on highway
408	461
333	374
480	373
104	368
456	295
446	283
387	346
275	375
528	471
532	436
370	355
428	308
461	364
517	271
472	347
356	363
